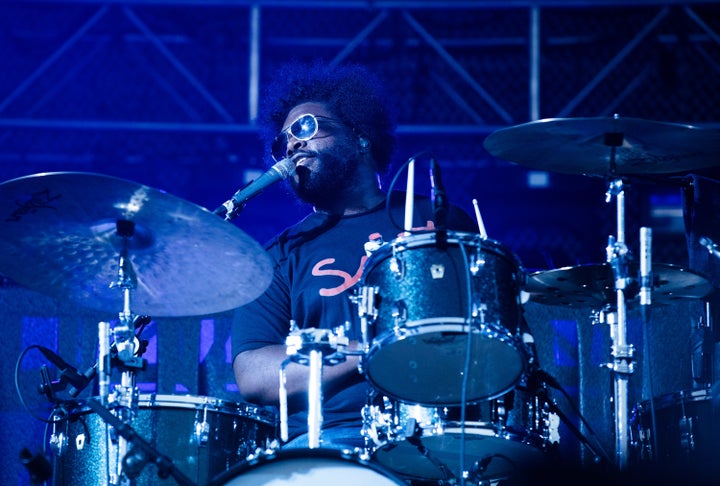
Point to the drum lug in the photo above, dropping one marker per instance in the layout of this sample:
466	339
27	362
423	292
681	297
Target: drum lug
687	436
399	313
365	298
376	425
477	262
552	425
397	267
201	432
58	443
500	415
478	311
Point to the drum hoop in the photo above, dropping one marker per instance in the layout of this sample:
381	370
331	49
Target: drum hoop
190	402
444	325
268	456
408	242
203	402
485	429
669	399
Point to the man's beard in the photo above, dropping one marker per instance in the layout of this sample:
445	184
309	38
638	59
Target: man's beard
322	188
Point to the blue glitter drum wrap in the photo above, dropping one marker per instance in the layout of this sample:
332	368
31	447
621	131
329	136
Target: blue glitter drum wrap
418	341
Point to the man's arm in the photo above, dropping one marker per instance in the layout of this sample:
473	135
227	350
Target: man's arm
257	373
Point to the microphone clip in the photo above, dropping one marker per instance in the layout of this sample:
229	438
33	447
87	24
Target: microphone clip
439	203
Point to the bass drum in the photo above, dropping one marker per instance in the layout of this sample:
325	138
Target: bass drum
307	467
425	294
685	432
497	439
203	436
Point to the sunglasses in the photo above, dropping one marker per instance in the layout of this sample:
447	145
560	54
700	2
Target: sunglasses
303	129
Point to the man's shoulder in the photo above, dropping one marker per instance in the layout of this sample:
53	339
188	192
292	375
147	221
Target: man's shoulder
298	233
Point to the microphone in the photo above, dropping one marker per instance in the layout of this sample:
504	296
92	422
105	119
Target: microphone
278	172
438	197
104	364
645	267
87	378
67	372
47	387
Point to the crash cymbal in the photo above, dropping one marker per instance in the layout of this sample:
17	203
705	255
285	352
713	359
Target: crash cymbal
58	235
593	285
606	146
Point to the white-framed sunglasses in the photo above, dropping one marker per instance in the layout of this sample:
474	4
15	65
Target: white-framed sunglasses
304	128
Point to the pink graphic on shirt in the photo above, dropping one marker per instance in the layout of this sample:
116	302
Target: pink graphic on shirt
350	280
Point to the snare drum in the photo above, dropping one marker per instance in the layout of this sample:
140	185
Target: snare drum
499	438
203	436
307	467
418	338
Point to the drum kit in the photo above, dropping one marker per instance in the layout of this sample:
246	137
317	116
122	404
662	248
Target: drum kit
447	318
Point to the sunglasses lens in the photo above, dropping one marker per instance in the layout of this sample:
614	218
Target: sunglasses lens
279	147
304	128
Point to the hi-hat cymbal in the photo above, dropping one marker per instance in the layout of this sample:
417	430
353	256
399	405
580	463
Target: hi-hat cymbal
58	235
594	286
606	146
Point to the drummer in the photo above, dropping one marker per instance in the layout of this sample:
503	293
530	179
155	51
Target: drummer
337	126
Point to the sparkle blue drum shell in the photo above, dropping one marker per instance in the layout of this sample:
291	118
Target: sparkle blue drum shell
203	436
419	339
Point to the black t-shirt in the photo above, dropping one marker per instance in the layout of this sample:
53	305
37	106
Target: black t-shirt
317	262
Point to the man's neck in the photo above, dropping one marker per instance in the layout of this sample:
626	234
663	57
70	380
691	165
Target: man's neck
363	202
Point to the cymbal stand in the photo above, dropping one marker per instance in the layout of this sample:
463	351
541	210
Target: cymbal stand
129	350
622	352
311	347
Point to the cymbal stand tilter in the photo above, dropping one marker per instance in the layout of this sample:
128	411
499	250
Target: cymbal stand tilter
311	347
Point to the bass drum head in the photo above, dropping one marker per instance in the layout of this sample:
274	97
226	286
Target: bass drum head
306	467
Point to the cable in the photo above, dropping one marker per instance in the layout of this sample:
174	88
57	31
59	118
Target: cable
549	380
649	367
17	383
466	366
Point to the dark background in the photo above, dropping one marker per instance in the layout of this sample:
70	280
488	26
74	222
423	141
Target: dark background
162	93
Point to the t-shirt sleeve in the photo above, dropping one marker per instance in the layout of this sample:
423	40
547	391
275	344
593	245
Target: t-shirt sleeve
264	321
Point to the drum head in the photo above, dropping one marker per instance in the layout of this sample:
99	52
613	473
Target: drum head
427	366
306	467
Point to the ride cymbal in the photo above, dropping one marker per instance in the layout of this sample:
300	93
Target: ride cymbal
606	146
594	286
60	235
